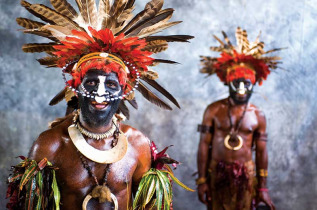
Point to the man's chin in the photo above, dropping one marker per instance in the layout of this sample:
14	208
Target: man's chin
241	99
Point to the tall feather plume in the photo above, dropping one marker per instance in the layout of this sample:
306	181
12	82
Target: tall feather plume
88	11
150	96
103	13
150	10
162	90
156	28
27	6
64	8
116	10
54	16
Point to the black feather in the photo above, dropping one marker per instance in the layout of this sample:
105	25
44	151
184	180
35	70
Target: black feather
159	88
124	109
58	98
165	61
133	103
171	38
152	97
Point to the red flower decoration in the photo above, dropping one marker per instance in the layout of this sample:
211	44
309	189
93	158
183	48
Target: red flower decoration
159	159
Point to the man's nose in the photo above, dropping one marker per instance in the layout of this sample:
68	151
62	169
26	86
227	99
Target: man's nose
241	89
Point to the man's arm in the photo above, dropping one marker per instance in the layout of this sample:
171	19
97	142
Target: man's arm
141	144
203	155
262	161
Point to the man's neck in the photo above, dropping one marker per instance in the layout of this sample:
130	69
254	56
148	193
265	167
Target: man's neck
93	128
232	103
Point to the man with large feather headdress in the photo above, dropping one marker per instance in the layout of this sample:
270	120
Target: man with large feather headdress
89	159
232	127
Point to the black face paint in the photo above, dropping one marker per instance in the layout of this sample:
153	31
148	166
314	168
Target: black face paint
99	114
240	96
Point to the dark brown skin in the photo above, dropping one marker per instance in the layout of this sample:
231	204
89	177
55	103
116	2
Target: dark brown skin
216	115
73	179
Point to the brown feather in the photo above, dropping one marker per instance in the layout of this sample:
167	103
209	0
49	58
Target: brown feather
171	38
103	13
48	61
59	32
38	47
27	6
29	24
162	90
64	8
150	74
125	16
58	98
54	16
219	40
45	34
150	10
115	11
156	46
152	97
149	22
129	4
156	28
88	11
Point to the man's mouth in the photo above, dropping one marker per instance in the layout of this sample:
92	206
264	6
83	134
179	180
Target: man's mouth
99	106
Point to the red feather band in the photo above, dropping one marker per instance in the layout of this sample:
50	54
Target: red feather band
230	67
127	50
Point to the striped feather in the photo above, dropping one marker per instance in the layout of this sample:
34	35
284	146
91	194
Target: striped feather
64	8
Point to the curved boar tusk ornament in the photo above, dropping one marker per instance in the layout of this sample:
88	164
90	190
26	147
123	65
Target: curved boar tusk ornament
88	197
228	146
105	157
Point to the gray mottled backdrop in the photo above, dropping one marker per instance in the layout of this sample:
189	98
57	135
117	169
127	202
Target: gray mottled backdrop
287	97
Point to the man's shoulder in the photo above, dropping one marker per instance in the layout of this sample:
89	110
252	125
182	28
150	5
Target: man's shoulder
50	141
135	137
214	106
258	111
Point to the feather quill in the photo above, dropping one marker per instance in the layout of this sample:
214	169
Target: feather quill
152	97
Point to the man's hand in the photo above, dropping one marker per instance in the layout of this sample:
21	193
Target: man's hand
204	194
263	196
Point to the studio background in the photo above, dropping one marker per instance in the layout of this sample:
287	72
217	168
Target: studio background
287	97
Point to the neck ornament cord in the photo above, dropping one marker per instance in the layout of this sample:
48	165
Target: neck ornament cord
95	136
100	192
233	135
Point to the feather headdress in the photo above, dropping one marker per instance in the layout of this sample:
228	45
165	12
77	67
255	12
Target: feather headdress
82	39
246	60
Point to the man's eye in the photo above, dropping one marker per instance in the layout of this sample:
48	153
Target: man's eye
91	83
111	84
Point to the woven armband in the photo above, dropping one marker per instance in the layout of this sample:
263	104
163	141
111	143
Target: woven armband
261	136
33	185
204	129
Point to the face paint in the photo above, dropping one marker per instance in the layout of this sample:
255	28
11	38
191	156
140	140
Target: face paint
98	111
240	90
